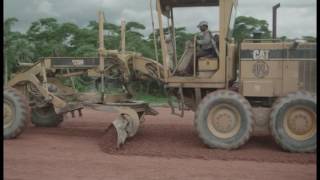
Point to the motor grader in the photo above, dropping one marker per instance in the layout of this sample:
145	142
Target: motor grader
223	91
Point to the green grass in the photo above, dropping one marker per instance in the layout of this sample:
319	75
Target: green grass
153	100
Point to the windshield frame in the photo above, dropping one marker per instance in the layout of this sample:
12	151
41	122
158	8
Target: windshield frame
233	15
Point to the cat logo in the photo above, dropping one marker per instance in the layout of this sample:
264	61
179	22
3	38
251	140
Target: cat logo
260	54
77	62
260	69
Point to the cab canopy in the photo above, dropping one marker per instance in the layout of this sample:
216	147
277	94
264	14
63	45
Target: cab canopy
188	3
167	5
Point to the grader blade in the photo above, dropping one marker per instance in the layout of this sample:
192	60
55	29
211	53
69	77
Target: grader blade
120	125
126	125
131	115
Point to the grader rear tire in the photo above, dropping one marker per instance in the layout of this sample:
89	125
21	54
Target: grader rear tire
294	122
224	119
46	117
16	113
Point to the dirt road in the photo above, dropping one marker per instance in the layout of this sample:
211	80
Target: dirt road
166	147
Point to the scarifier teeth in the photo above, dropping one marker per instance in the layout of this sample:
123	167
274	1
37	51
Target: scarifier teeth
80	113
72	114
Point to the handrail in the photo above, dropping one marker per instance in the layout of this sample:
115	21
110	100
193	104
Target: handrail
250	40
194	54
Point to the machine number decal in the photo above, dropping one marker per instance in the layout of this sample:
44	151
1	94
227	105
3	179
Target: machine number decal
77	62
260	69
260	54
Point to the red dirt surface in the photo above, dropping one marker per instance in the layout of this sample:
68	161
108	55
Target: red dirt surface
166	147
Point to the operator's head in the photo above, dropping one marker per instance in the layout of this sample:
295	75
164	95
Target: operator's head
203	26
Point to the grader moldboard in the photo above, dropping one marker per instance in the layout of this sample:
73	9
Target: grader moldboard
222	90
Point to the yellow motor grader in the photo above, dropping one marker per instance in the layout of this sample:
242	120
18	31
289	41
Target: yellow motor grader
222	90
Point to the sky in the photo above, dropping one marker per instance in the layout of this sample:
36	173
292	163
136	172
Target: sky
296	18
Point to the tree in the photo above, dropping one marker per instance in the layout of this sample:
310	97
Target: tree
7	36
17	48
309	38
245	26
7	32
284	38
45	35
134	39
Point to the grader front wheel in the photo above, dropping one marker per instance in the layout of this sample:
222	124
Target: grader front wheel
46	117
16	113
224	119
294	122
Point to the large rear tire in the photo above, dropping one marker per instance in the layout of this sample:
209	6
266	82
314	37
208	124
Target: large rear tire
16	113
224	119
46	117
294	122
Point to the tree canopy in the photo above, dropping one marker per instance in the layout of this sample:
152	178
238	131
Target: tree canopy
245	26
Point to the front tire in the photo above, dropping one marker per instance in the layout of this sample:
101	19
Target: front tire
16	113
46	117
294	122
224	119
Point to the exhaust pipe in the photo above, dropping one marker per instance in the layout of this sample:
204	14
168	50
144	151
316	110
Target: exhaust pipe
274	20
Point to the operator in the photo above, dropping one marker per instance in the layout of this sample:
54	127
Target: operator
206	43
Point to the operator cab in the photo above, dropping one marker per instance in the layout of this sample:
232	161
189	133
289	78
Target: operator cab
189	65
200	47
